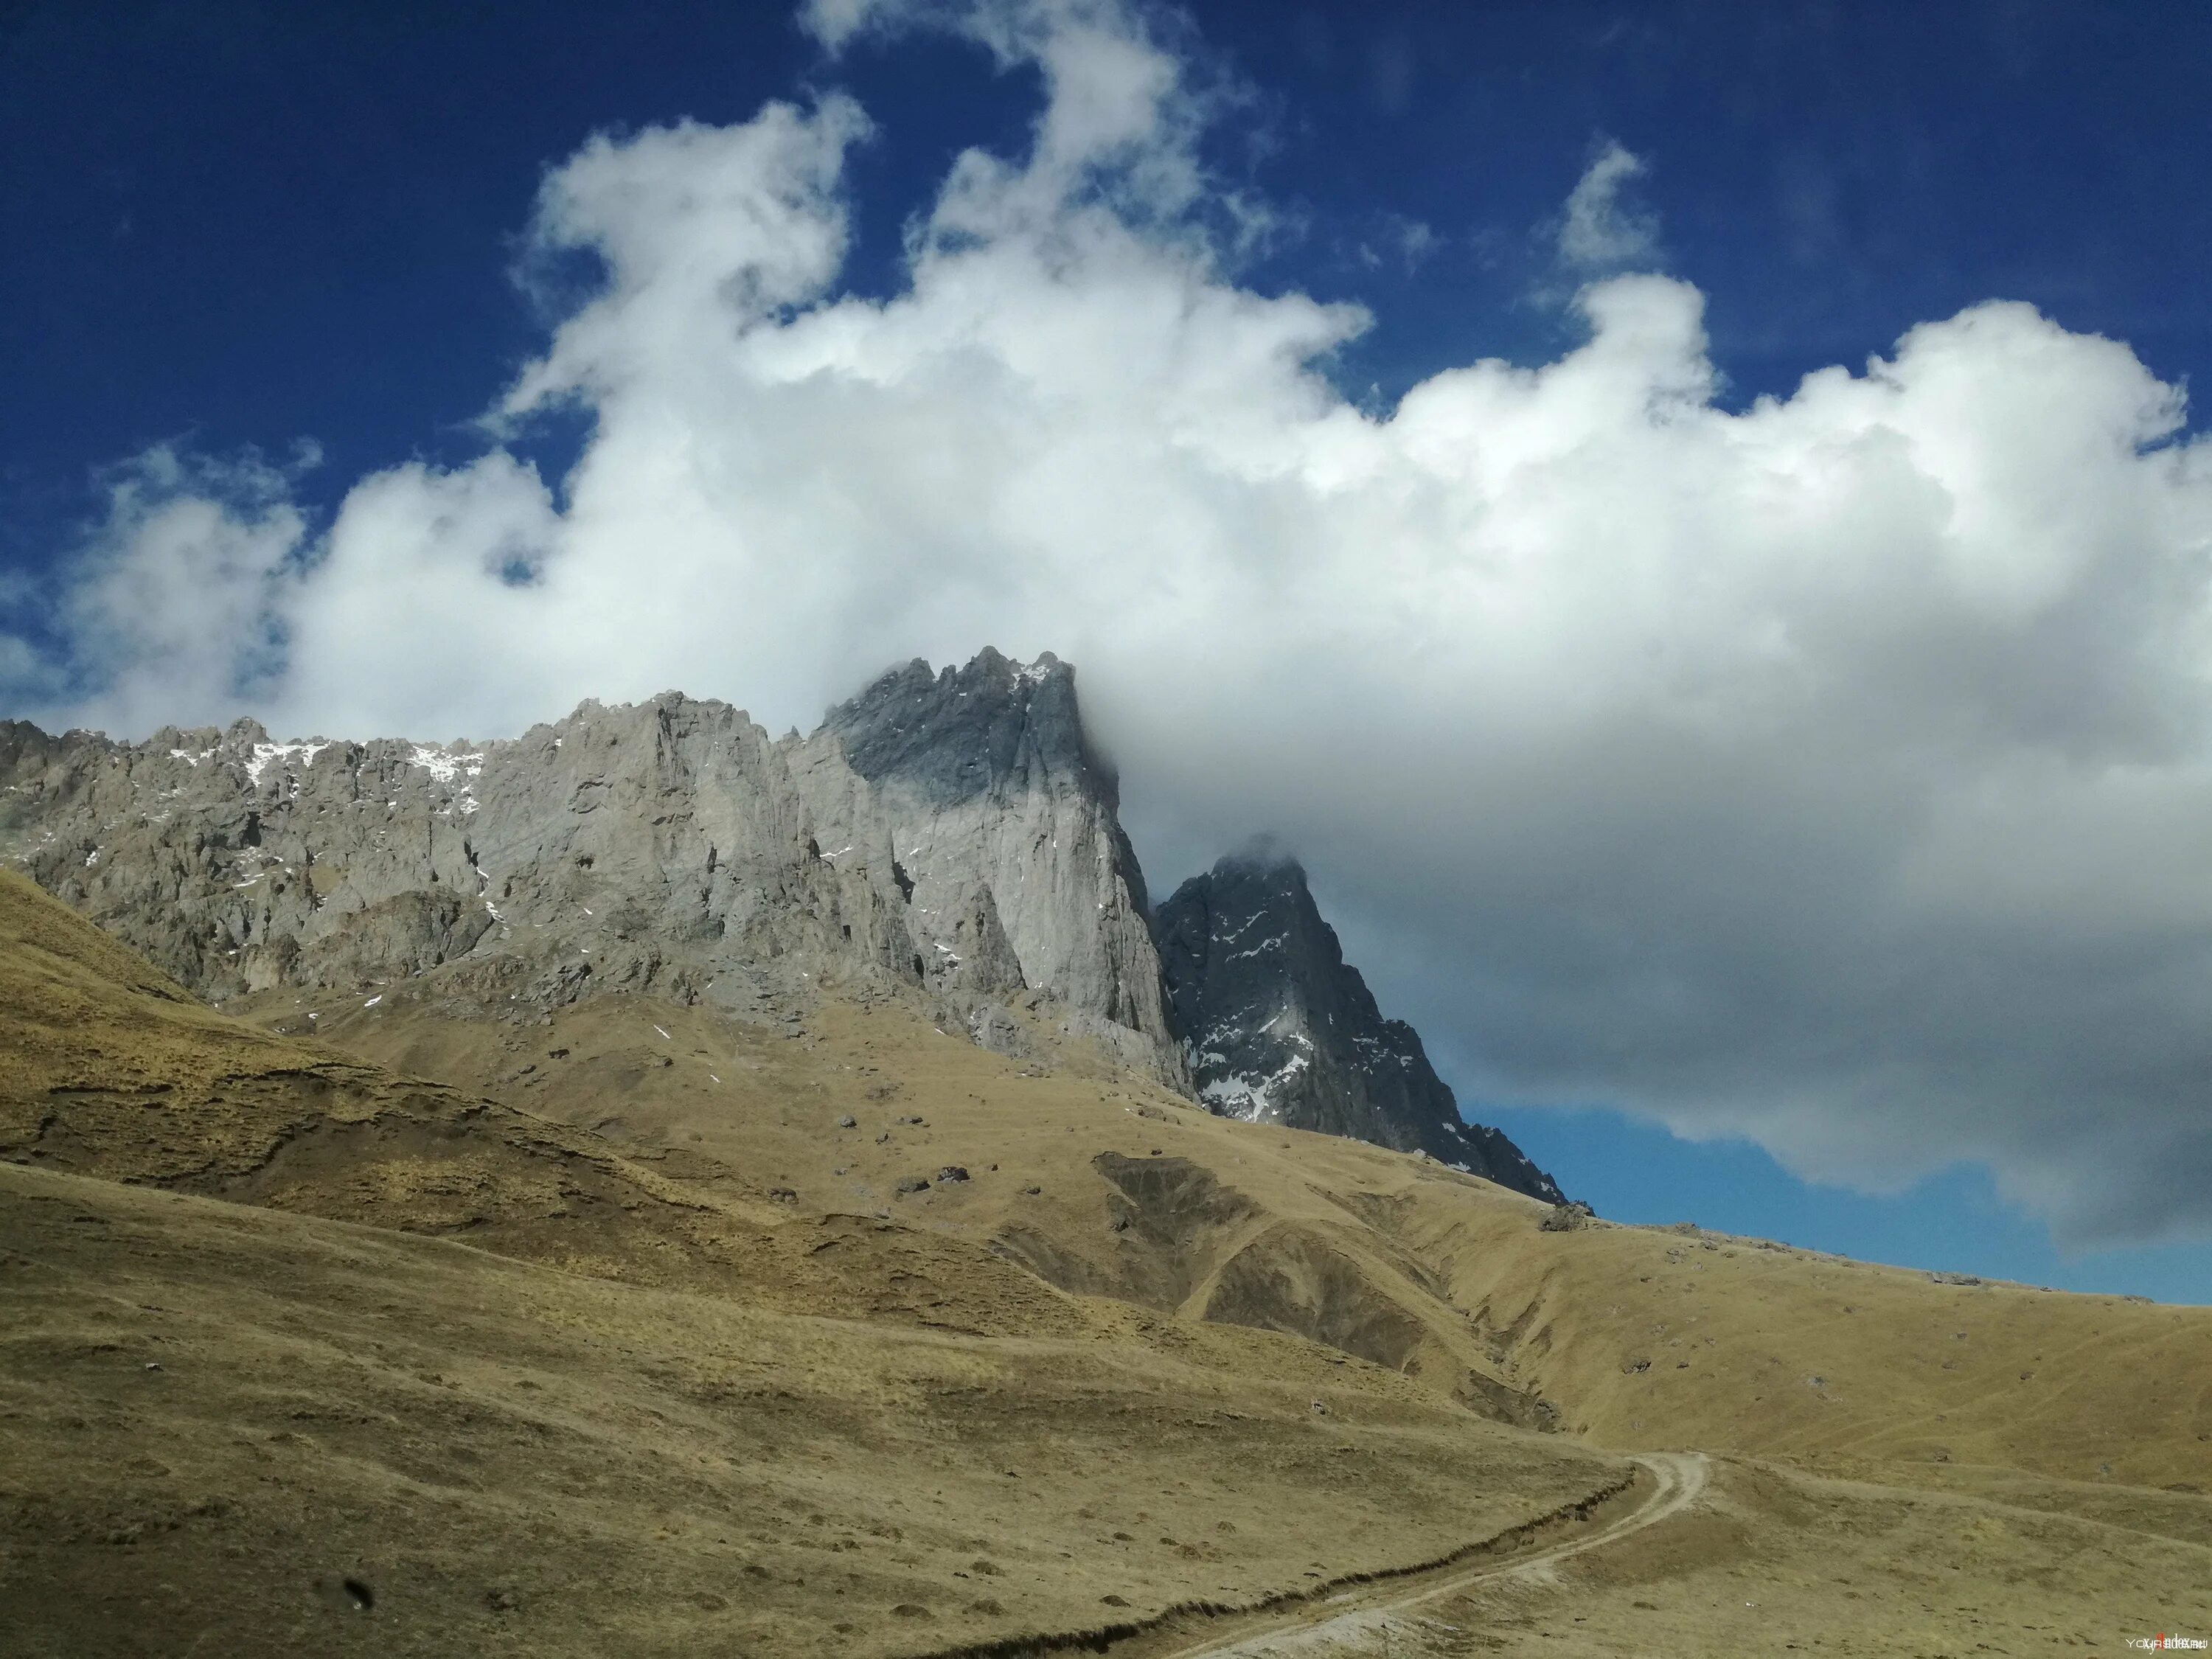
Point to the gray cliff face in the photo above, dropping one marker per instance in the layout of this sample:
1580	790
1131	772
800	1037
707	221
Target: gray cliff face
979	792
1284	1030
967	858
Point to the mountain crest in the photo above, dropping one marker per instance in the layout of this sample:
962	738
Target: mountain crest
992	727
1282	1029
948	835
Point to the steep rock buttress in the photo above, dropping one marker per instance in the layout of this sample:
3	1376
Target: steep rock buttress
1282	1029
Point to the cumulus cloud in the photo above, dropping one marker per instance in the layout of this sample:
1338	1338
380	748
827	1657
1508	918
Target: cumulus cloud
1598	230
1832	772
176	601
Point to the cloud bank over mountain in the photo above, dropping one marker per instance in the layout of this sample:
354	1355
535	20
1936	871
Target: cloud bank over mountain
1833	771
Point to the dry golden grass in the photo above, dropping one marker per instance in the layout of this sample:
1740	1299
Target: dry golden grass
670	1364
217	1414
1743	1346
1777	1561
516	1459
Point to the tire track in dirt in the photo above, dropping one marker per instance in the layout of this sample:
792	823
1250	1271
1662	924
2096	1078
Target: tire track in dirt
1361	1619
1363	1609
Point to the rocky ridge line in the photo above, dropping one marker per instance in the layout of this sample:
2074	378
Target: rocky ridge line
948	836
1280	1028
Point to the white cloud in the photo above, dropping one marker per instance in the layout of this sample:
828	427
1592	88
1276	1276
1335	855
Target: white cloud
1833	772
1597	232
175	607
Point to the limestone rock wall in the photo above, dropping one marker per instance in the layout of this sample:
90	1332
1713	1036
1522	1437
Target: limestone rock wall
967	857
980	787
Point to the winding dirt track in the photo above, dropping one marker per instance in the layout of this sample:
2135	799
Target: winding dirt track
1369	1619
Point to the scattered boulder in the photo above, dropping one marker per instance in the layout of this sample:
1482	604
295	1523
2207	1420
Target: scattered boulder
911	1184
848	1121
951	1173
1565	1217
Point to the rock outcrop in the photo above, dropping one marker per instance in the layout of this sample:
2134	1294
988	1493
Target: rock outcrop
1282	1029
978	791
951	836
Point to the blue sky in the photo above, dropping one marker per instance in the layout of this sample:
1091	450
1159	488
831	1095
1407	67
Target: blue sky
255	221
245	228
1953	1222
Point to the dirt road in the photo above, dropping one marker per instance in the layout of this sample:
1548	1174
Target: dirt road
1389	1618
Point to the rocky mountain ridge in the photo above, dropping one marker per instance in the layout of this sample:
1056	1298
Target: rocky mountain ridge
971	858
949	836
1282	1029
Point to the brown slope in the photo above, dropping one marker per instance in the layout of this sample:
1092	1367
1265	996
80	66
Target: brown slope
1138	1196
520	1461
217	1415
109	1069
1639	1336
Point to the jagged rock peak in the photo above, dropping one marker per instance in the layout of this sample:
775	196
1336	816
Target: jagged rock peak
952	734
971	858
1282	1029
1001	815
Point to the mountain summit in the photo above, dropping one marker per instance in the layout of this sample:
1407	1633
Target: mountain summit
948	836
1283	1029
999	822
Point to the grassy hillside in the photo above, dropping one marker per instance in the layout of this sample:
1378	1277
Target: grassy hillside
620	1340
1636	1337
216	1415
